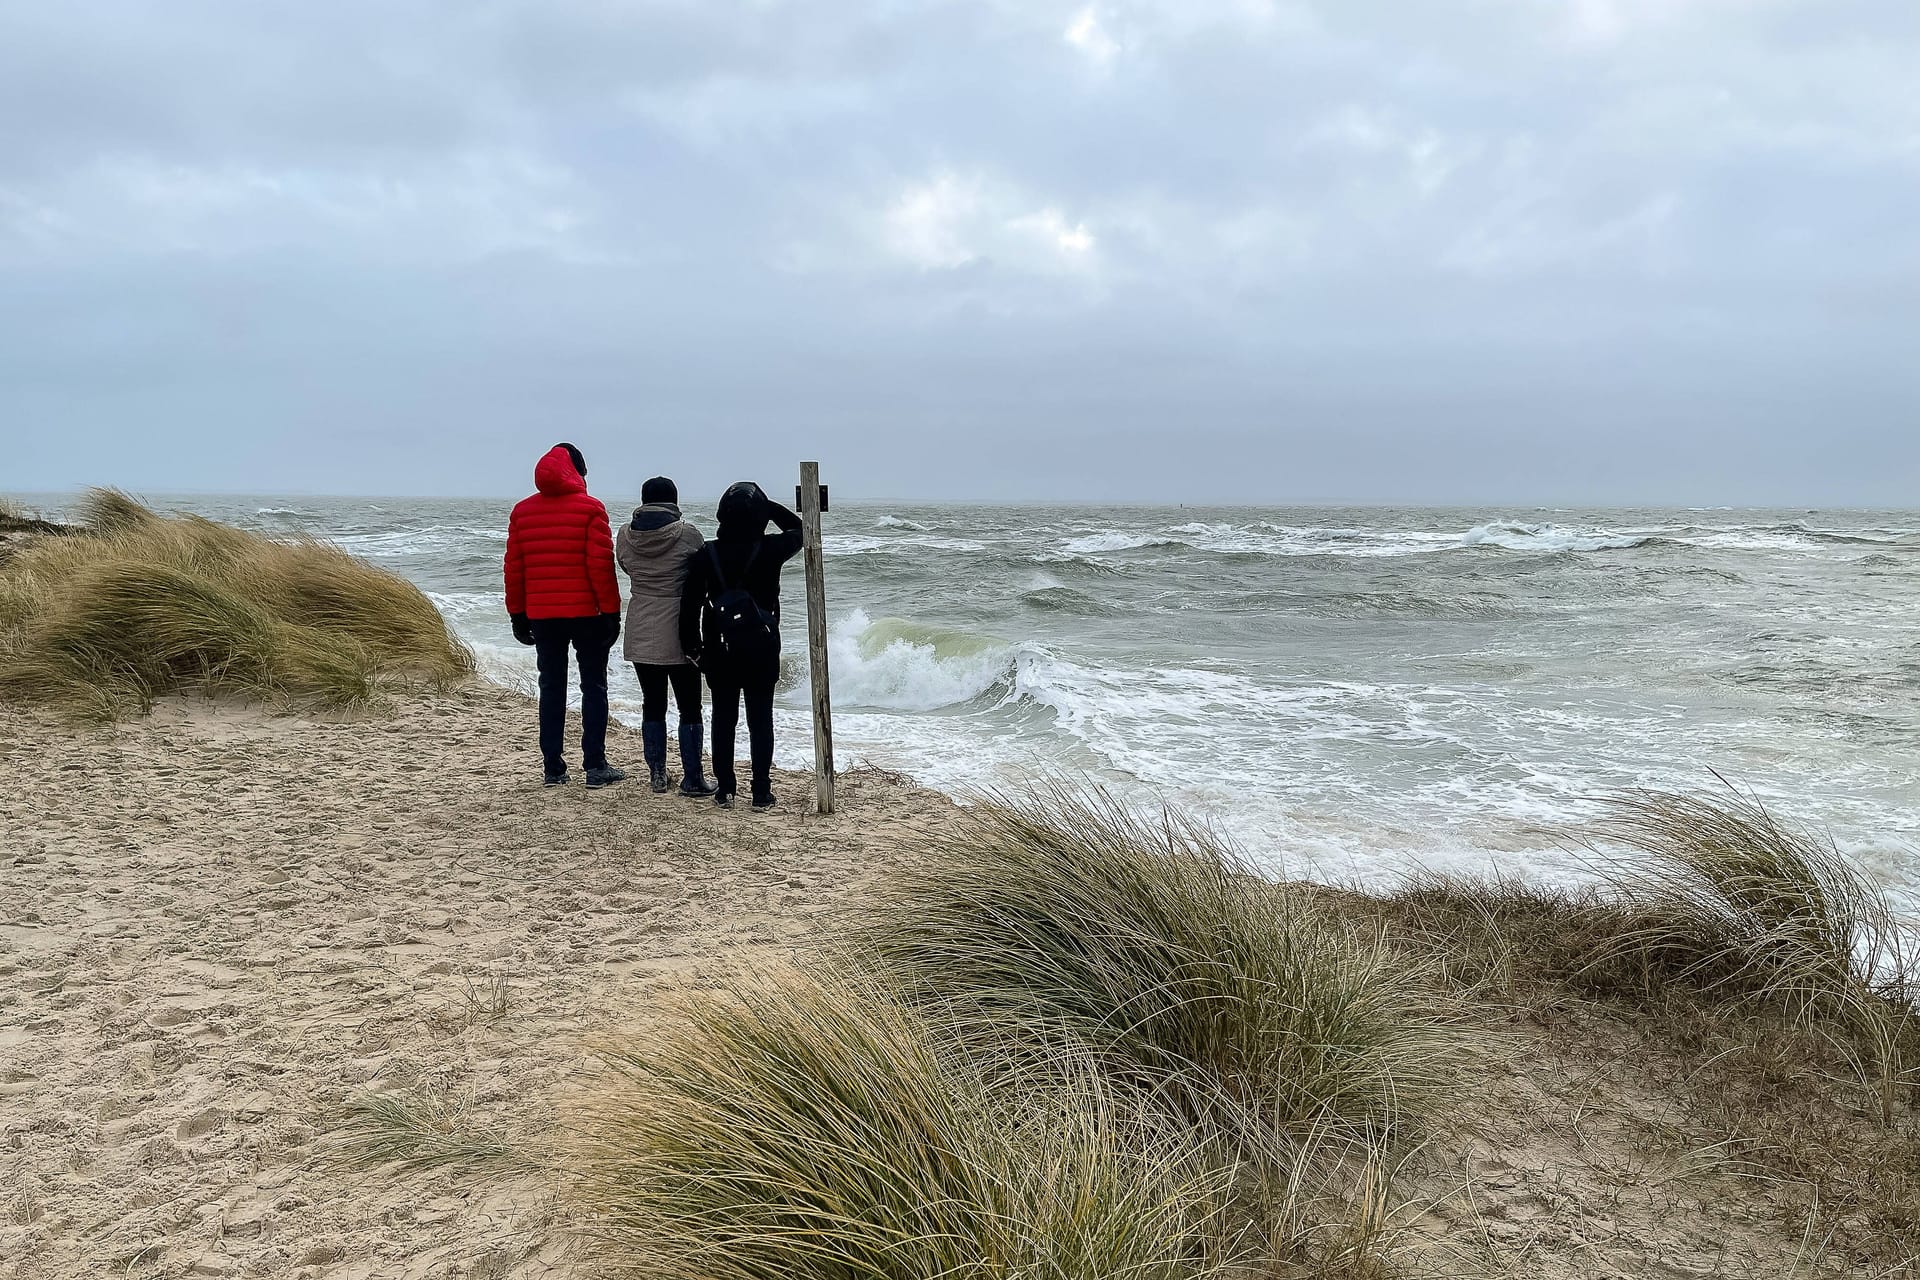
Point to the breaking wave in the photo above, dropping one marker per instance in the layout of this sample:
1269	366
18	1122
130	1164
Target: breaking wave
1511	535
898	665
1098	543
861	544
1267	538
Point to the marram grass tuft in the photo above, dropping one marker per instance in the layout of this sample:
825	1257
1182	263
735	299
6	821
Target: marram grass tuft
135	606
1231	1000
815	1128
1729	899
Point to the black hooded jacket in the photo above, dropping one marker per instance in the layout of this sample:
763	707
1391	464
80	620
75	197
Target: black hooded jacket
743	515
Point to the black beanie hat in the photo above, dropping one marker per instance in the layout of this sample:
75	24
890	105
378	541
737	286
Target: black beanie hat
579	461
659	489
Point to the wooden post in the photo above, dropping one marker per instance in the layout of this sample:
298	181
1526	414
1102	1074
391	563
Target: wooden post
817	637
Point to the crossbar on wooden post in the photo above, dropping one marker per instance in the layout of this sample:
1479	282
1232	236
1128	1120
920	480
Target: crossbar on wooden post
817	637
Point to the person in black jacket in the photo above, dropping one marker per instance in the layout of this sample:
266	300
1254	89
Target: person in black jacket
730	626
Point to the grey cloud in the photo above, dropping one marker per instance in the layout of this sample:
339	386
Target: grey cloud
1622	249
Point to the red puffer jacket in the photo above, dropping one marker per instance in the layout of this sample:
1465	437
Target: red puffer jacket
560	548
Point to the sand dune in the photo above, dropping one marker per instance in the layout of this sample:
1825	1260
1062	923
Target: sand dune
219	929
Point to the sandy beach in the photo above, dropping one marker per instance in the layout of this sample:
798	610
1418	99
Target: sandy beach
221	927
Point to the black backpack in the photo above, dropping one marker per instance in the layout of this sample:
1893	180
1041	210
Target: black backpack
744	633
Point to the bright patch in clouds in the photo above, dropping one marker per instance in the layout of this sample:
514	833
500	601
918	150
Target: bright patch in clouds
928	223
1050	227
1086	34
950	220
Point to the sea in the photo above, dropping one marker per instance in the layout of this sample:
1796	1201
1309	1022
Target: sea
1348	693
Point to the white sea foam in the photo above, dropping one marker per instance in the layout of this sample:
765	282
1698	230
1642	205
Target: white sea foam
461	605
1516	536
896	522
895	665
1268	538
432	540
858	544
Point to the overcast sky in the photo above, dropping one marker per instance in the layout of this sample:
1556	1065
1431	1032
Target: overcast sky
1376	250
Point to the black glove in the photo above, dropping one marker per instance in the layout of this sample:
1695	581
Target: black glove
611	621
522	628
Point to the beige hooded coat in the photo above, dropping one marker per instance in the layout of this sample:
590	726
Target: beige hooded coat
652	549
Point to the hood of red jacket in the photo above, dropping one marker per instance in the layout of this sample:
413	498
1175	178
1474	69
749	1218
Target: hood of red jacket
554	475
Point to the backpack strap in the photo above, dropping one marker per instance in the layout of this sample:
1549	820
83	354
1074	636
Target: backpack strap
720	574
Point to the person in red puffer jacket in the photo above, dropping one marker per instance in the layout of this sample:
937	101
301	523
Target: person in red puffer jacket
561	594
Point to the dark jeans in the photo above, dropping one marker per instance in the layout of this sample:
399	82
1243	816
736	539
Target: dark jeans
729	688
590	640
685	679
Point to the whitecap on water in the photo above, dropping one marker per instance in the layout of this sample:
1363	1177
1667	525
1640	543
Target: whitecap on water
859	544
1512	535
898	665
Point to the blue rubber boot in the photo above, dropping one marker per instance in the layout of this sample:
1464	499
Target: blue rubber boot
653	744
693	778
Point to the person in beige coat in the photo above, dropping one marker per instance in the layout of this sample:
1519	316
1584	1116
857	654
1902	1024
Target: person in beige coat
653	549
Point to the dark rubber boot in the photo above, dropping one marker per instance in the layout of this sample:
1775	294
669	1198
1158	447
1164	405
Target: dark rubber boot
693	778
653	744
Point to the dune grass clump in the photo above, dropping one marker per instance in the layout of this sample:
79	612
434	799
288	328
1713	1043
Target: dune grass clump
819	1129
135	606
414	1132
1182	971
1707	900
109	511
1762	970
1710	896
1730	896
1727	898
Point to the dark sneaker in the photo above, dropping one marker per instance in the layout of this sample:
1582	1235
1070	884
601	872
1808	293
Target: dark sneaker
724	799
762	801
659	781
559	779
698	788
605	776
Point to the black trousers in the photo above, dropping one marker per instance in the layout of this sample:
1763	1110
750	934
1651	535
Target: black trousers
755	688
591	642
685	679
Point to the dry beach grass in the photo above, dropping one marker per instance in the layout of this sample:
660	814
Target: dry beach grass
354	996
132	605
